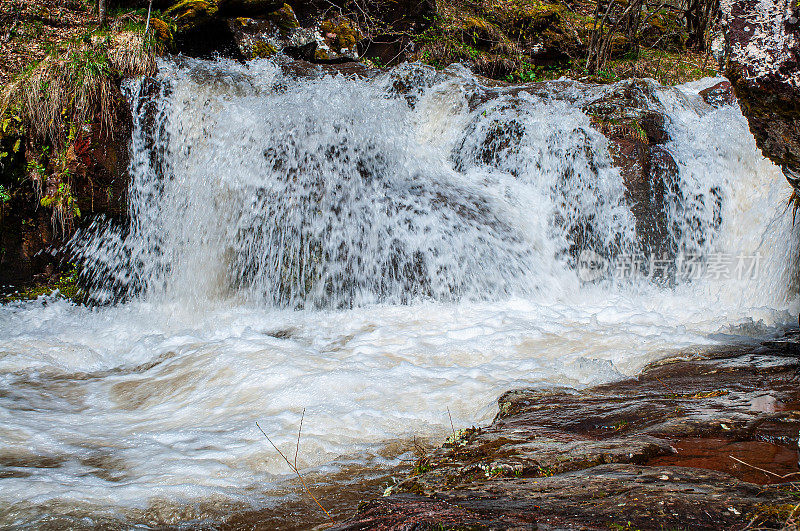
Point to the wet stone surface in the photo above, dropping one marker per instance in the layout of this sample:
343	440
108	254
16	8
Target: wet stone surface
698	442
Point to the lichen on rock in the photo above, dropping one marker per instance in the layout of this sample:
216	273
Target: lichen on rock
759	49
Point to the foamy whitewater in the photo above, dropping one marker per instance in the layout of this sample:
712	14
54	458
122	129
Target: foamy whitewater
375	252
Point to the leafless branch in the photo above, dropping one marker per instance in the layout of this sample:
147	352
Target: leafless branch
293	467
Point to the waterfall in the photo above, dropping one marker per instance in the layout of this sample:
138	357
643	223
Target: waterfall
255	184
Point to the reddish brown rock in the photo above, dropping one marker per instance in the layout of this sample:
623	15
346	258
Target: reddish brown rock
651	452
719	95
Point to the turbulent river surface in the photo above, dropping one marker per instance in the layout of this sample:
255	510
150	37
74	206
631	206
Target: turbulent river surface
377	252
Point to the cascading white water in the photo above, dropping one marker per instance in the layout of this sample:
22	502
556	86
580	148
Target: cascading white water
375	251
335	194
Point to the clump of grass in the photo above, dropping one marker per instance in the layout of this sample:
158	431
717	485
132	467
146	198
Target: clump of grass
78	86
131	54
71	88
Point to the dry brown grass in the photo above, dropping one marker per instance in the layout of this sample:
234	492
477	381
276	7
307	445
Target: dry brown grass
72	91
130	55
77	87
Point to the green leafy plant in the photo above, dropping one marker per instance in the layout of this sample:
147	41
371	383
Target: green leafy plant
65	207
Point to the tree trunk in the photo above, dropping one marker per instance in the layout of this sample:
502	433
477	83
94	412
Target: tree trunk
102	10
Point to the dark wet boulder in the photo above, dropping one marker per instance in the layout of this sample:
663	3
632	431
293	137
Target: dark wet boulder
761	46
191	15
719	95
631	117
200	31
654	124
248	8
25	230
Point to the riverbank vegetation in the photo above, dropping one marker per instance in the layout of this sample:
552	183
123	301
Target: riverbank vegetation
63	136
67	97
599	41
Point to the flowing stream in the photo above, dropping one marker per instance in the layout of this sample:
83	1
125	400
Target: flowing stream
375	251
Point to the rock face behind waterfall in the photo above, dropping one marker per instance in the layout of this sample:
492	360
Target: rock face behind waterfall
303	30
762	41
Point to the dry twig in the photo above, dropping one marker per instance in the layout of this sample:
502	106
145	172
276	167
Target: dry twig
451	425
764	470
294	466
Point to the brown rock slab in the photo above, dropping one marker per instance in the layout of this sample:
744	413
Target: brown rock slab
652	452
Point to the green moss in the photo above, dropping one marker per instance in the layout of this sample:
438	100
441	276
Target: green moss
161	31
522	18
496	37
321	55
190	14
284	18
475	24
263	49
773	515
343	31
66	286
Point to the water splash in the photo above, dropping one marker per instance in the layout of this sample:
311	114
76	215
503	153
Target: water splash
332	195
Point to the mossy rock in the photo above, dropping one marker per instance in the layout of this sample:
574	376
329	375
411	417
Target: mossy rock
192	14
263	49
284	18
66	285
321	55
344	33
161	31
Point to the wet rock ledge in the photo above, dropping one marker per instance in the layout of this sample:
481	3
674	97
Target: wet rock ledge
700	442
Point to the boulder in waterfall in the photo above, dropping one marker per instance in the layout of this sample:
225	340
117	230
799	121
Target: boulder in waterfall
759	47
630	104
267	35
719	95
630	116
